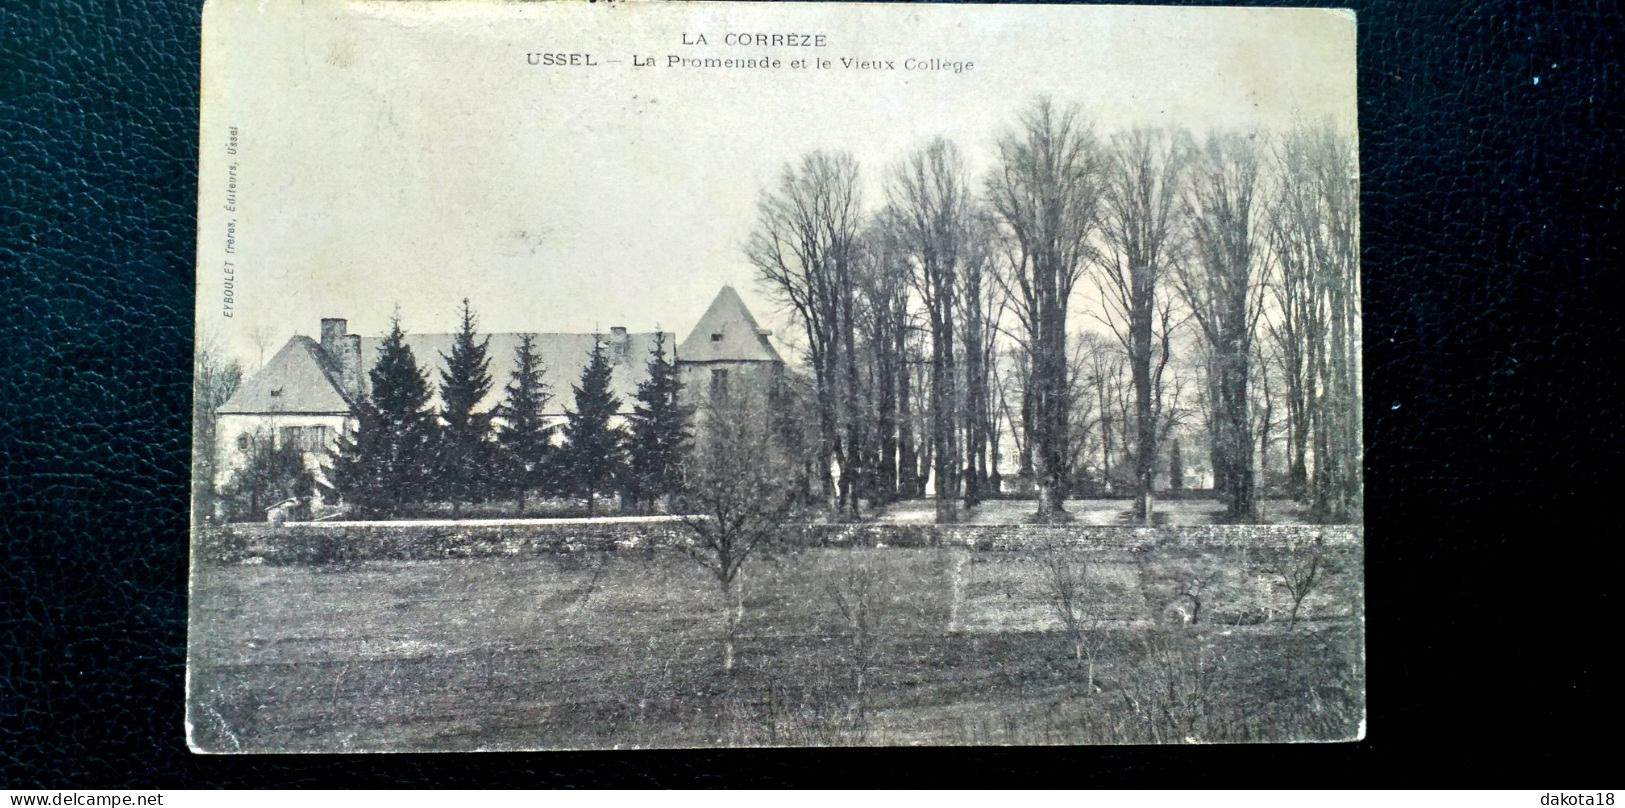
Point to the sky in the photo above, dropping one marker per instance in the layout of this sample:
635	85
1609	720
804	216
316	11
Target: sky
400	157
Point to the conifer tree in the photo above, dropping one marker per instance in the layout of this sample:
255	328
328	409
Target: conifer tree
358	471
660	431
593	455
523	434
400	390
382	467
463	456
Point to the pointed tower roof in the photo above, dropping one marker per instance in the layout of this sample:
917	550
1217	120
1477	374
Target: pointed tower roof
301	378
727	333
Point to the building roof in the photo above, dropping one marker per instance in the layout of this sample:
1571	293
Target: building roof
563	357
299	378
303	378
728	333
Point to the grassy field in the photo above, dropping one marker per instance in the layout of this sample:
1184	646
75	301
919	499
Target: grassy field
622	649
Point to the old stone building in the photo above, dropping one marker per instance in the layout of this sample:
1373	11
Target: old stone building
727	350
307	394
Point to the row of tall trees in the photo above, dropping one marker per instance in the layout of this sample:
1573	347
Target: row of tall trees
405	452
1314	322
937	322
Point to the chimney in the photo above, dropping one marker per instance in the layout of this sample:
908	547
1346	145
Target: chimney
345	351
350	371
332	334
620	344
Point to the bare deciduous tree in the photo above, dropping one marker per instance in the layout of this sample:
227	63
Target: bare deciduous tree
1315	237
981	305
883	283
1045	198
1295	324
739	491
931	219
273	469
1265	395
1299	573
856	595
1144	177
804	248
1066	581
1018	418
1102	375
260	335
216	379
1177	689
1222	283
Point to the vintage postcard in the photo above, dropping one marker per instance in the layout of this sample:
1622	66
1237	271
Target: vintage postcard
642	375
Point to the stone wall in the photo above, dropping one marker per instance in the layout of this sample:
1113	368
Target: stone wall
338	542
1028	537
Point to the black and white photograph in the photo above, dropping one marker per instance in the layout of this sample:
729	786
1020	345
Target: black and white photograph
628	376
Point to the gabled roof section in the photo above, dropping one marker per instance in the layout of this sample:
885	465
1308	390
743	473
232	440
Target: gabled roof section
727	333
299	378
563	357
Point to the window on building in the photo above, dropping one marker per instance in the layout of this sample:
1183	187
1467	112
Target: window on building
304	438
716	337
719	384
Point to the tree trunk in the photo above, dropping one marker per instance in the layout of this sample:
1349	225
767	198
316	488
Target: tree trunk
1145	445
1347	370
975	414
886	421
944	469
1239	442
908	477
1264	443
852	471
1050	498
925	456
1105	442
827	440
1052	403
1321	481
1354	453
1297	473
993	487
944	418
1024	467
733	600
1143	297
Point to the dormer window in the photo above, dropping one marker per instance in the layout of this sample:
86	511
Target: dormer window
716	337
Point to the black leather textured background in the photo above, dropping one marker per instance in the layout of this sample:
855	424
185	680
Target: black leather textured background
1491	155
